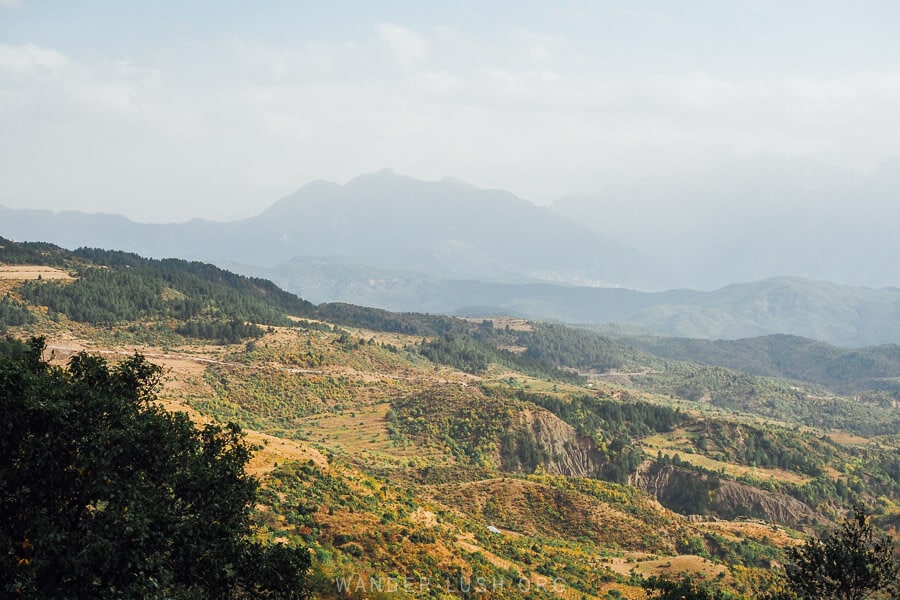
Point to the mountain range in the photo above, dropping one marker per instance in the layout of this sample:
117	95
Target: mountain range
446	229
398	243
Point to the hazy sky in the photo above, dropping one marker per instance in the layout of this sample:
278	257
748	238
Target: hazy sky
172	110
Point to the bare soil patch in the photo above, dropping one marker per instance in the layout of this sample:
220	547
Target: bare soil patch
669	565
273	450
847	439
29	272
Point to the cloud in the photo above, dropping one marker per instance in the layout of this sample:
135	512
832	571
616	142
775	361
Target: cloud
30	60
240	123
408	47
85	134
11	4
51	87
313	59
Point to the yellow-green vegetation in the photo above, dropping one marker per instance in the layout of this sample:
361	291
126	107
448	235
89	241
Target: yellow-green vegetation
421	456
417	473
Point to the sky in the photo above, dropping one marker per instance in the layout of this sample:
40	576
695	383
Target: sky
167	111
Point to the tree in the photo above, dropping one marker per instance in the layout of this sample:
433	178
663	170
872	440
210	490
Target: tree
853	563
103	494
682	589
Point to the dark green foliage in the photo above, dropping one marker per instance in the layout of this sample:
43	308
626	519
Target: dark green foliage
114	287
14	313
464	353
31	253
688	491
103	494
377	319
720	386
205	280
107	296
682	589
590	414
785	356
550	351
768	447
563	346
231	331
853	563
739	374
614	426
200	289
520	450
622	457
744	552
473	354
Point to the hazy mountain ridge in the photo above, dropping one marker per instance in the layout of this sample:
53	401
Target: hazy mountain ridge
401	244
446	229
785	356
840	315
754	219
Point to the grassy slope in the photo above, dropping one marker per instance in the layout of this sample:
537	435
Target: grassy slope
339	482
370	502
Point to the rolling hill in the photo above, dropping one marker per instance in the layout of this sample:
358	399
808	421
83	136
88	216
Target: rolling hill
785	356
440	449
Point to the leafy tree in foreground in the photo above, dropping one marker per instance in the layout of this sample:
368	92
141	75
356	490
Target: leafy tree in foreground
852	564
103	494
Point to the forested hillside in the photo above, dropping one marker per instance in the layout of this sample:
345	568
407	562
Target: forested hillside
787	356
111	287
404	445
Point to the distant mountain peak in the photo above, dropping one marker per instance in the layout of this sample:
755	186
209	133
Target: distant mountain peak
385	175
458	183
319	184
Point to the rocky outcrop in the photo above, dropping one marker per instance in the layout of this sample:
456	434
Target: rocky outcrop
563	450
684	491
733	499
691	493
